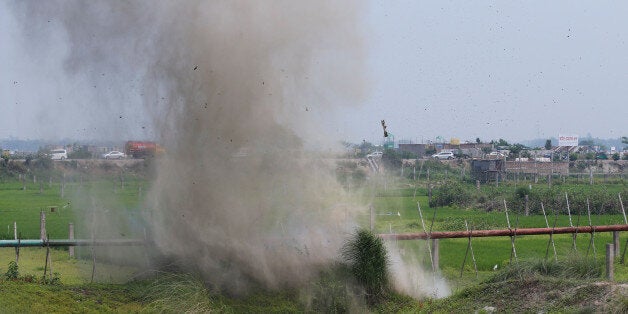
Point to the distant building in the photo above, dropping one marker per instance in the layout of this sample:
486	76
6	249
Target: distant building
417	149
486	170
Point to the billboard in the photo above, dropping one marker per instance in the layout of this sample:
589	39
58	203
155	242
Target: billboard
567	140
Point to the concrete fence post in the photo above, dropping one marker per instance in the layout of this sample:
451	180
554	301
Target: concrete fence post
71	237
609	261
435	254
17	248
42	225
616	242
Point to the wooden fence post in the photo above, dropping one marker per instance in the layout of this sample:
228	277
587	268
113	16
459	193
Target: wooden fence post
71	237
609	261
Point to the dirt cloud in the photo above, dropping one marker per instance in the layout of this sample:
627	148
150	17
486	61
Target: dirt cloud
234	90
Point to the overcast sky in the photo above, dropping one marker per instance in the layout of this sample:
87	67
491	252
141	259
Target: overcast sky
436	69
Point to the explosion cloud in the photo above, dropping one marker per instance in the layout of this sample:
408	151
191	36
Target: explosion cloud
239	93
234	90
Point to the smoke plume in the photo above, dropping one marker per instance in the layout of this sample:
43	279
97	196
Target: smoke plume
235	91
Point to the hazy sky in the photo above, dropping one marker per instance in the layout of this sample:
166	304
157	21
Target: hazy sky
451	69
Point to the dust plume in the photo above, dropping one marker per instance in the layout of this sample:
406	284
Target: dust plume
239	93
410	278
235	91
236	197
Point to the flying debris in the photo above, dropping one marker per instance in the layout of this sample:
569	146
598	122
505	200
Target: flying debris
384	127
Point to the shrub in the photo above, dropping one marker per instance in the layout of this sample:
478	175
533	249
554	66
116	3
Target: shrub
13	271
451	193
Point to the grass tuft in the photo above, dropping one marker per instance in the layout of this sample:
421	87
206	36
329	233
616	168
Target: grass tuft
368	262
573	267
180	293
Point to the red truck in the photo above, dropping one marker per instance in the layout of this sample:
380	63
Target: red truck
141	149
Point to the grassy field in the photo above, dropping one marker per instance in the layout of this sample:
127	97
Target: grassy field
395	209
23	206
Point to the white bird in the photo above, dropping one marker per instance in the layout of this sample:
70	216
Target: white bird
495	267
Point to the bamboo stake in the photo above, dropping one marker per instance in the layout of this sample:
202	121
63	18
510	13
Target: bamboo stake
622	208
466	253
514	237
626	222
469	247
551	235
573	245
575	235
429	248
475	266
512	241
592	241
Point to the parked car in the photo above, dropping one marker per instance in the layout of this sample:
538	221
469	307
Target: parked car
58	154
375	154
444	155
114	155
495	155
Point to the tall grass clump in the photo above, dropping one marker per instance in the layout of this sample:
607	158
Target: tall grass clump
368	262
573	267
178	293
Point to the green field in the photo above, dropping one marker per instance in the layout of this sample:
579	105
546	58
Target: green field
396	211
80	198
394	208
